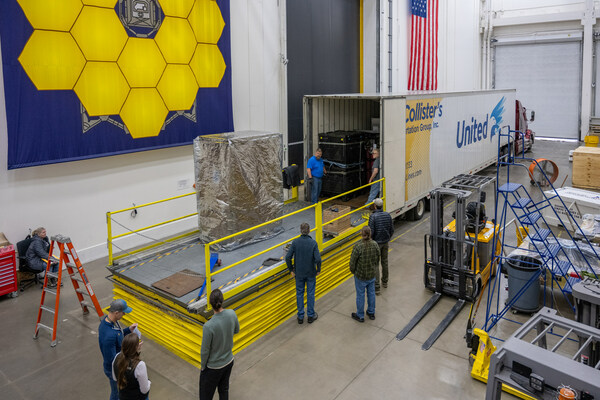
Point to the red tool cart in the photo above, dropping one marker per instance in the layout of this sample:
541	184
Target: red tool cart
8	271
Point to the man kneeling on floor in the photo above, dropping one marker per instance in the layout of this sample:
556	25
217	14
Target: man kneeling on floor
306	267
363	263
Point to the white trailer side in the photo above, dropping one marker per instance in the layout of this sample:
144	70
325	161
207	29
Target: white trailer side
426	138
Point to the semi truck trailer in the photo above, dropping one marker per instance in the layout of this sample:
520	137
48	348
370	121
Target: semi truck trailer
425	139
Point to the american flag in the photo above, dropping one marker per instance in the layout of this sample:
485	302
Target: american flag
423	45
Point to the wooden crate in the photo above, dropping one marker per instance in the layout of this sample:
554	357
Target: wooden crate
333	212
586	167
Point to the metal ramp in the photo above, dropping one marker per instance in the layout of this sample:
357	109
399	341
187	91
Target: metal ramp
557	262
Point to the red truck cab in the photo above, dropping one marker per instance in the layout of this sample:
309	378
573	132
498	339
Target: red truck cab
522	128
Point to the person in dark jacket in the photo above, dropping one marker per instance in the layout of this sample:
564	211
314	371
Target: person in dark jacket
363	264
129	371
110	337
306	267
37	253
382	229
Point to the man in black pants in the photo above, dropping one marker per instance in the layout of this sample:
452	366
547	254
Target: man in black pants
216	354
382	229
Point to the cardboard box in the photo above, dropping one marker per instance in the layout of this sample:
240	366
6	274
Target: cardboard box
3	240
586	167
333	212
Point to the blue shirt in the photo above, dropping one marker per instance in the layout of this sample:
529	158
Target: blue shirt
110	337
315	166
307	259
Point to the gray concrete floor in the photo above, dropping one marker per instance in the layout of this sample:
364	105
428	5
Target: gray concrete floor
333	358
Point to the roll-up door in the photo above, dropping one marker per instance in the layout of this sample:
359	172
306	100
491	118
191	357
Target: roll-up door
547	77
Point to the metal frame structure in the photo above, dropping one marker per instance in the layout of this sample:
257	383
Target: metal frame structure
541	366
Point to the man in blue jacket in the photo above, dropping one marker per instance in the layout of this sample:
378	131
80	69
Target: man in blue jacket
110	336
382	229
306	267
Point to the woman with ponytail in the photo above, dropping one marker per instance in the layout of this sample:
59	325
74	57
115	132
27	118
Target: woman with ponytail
216	353
129	371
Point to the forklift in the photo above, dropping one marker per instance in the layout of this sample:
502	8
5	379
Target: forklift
458	254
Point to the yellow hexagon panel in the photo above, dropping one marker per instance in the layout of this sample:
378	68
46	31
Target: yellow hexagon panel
176	40
141	62
178	87
144	113
100	3
52	60
102	88
176	8
99	33
51	15
208	65
206	21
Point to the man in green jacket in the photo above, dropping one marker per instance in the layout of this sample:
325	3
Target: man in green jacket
363	264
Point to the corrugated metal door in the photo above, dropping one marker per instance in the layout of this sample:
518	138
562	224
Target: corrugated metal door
547	77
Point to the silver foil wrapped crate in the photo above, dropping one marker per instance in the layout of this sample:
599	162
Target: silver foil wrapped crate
238	186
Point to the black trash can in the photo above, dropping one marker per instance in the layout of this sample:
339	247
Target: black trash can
520	270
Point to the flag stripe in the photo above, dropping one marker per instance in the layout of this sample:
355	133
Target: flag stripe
423	62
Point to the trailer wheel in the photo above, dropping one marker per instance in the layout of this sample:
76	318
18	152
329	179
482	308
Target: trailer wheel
418	211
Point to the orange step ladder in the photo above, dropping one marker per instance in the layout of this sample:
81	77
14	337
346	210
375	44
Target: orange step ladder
77	275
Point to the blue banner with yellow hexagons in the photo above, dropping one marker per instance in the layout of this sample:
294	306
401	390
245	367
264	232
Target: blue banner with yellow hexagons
93	78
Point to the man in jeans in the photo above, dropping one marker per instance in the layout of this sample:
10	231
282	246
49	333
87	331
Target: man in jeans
306	267
376	187
315	171
363	264
382	229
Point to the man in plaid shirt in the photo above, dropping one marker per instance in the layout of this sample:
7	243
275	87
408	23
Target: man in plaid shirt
363	264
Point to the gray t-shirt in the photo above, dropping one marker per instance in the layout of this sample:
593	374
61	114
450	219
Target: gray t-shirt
376	165
217	340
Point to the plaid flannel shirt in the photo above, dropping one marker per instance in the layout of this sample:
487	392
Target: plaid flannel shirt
364	259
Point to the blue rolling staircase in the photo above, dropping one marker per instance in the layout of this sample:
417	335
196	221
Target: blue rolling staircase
557	261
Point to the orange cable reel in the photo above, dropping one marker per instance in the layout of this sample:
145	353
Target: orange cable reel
546	172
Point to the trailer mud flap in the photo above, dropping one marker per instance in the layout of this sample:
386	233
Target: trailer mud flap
419	316
444	324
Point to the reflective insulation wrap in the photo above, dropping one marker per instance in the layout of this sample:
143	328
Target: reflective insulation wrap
238	186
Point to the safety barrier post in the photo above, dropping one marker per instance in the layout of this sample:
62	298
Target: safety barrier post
319	224
109	239
207	274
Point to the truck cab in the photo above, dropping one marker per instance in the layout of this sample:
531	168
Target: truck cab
524	136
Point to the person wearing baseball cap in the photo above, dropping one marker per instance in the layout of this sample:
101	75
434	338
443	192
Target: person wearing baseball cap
110	336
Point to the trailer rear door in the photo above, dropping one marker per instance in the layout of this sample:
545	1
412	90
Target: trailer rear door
393	150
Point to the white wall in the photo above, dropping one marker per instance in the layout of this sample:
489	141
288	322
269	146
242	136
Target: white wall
459	44
73	198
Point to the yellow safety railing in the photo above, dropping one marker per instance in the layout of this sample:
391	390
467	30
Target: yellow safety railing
110	237
318	229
